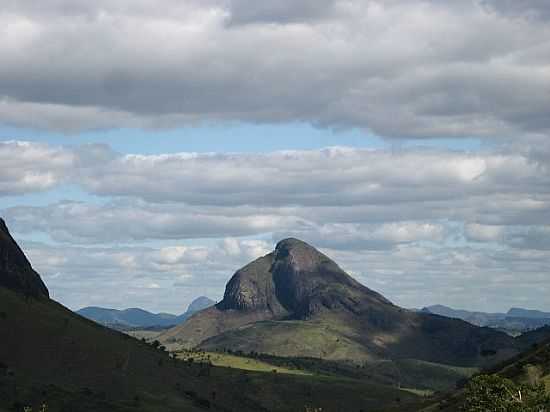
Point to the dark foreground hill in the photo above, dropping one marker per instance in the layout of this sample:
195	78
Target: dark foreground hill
296	301
139	318
51	355
17	273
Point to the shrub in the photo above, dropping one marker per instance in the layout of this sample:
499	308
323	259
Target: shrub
494	393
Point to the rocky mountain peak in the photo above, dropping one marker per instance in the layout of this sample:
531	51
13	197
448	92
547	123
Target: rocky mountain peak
251	287
16	272
200	303
300	255
294	280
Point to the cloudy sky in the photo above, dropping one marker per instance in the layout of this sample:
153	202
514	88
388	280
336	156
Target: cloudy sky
149	149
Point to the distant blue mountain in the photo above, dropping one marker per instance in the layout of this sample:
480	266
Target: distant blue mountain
527	313
516	319
477	318
139	318
202	302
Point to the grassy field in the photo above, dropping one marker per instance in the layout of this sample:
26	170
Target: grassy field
416	376
410	373
238	362
431	376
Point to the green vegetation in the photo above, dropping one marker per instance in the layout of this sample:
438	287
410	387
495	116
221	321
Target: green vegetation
51	355
328	339
429	375
493	393
237	362
527	374
403	377
418	376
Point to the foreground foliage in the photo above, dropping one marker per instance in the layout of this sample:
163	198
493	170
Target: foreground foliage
492	393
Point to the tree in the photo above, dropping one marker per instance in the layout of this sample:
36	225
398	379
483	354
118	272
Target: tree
492	393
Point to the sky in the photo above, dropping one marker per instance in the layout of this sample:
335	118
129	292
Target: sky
149	149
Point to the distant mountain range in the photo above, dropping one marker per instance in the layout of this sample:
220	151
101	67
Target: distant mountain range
138	318
515	320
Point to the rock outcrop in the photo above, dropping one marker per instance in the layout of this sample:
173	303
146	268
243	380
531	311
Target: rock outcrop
16	273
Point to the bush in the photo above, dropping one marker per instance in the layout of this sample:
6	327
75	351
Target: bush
493	393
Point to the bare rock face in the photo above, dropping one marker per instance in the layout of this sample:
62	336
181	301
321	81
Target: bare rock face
307	281
252	288
295	280
16	272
